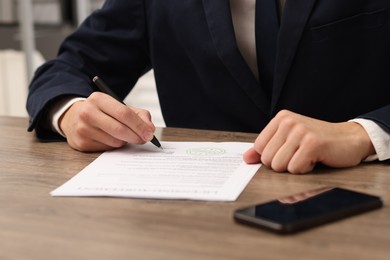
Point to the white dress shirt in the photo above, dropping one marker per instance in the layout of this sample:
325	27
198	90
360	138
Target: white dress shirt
243	17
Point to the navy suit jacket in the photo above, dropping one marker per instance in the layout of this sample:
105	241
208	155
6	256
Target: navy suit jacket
333	62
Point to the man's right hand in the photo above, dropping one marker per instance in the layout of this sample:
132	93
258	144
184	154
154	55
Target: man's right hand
102	123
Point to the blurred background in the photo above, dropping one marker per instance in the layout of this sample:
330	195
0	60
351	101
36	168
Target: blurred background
30	34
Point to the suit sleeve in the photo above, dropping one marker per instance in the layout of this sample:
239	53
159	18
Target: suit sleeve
111	43
380	116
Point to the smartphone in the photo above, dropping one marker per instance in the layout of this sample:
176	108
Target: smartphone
307	209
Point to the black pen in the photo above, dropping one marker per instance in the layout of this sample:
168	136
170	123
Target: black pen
103	87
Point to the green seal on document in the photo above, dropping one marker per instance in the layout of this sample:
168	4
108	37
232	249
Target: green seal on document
206	151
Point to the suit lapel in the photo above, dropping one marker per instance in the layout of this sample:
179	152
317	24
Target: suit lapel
296	14
221	29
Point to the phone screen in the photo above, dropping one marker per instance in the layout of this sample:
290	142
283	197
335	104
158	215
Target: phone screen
304	210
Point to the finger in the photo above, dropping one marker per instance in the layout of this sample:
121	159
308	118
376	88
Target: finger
88	138
301	162
145	116
125	116
282	157
113	130
273	126
251	156
142	113
91	146
131	119
284	142
273	146
265	136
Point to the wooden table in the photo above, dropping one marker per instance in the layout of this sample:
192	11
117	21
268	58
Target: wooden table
34	225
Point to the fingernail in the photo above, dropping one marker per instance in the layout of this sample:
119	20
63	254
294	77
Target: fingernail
148	135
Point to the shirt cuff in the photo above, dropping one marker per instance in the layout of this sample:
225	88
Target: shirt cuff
379	138
58	109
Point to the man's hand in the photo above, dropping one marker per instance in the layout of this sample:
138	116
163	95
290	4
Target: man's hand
102	123
295	143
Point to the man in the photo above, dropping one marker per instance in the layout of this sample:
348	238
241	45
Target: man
327	64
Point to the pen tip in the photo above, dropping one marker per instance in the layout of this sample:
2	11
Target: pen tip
156	142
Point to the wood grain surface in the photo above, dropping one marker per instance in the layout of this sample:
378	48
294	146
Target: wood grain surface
34	225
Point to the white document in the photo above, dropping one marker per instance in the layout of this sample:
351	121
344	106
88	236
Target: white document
184	170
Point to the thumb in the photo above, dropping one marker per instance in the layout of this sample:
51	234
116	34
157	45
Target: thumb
251	156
